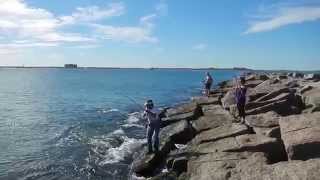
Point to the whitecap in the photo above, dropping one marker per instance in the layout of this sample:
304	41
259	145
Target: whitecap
132	125
133	118
118	132
110	110
117	154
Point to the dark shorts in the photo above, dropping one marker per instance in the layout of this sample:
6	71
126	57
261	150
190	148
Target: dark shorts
241	110
208	86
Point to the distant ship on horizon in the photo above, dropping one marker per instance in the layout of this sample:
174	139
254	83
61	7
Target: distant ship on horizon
71	66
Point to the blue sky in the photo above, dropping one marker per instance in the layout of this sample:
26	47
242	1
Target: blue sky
260	34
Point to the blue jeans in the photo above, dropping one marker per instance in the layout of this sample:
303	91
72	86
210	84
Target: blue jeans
153	133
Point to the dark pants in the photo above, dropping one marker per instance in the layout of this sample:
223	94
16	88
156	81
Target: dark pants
208	86
241	110
153	133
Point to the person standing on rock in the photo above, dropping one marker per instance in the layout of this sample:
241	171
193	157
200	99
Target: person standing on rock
207	84
240	95
153	126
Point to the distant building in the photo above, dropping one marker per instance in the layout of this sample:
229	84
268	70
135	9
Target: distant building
71	66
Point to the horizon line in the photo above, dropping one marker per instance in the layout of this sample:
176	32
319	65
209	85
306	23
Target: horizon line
190	68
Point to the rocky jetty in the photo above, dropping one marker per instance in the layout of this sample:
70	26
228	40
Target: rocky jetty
203	139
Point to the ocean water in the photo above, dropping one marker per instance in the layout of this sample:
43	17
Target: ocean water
82	123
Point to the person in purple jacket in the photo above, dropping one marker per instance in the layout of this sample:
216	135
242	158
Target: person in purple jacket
240	95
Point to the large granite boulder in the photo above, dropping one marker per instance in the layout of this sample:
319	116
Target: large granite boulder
221	132
220	166
272	147
177	133
313	76
265	120
185	108
311	96
203	100
252	168
301	136
228	99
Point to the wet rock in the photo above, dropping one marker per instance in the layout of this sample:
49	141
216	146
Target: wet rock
177	133
166	176
301	136
180	165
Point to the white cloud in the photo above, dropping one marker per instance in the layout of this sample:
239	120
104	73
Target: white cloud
24	26
141	33
94	13
20	21
283	16
200	47
131	34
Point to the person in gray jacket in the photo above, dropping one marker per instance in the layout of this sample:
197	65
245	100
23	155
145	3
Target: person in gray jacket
153	126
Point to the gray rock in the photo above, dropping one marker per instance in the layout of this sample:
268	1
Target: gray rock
221	132
265	120
305	89
177	133
212	110
219	166
178	117
272	147
228	99
180	165
311	98
202	100
254	169
313	76
301	136
273	132
165	176
184	108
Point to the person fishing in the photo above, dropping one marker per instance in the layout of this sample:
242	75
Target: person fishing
153	126
240	97
207	84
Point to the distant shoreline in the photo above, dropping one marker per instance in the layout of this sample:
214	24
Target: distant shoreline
153	68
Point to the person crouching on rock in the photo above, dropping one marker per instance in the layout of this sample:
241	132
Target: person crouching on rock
240	95
153	126
207	84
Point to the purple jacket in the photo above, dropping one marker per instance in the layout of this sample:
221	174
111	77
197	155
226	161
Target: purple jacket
240	95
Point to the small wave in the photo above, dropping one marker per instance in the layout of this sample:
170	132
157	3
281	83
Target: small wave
118	132
133	118
109	110
122	152
132	125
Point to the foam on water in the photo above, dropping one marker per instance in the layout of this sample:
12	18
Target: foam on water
134	118
117	154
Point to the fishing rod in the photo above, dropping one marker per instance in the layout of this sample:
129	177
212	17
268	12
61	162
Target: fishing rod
132	100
